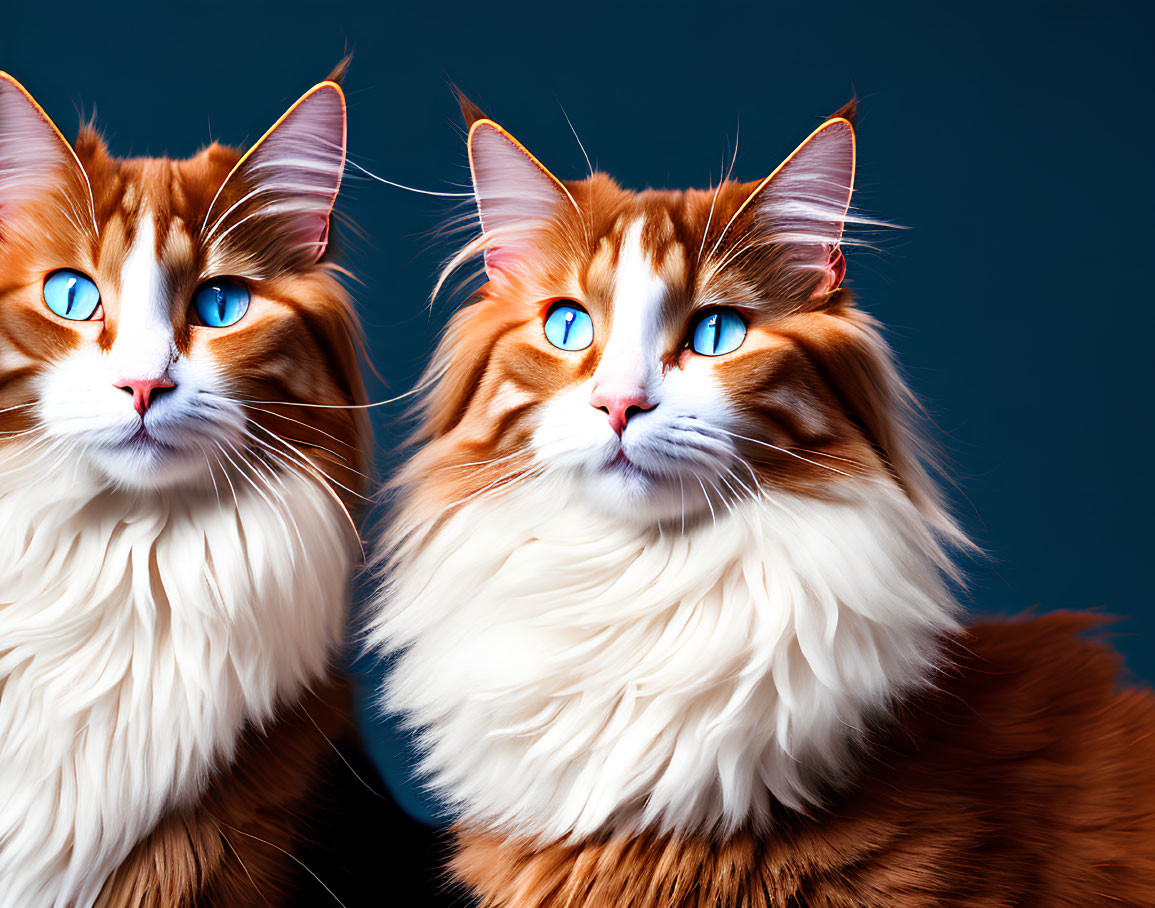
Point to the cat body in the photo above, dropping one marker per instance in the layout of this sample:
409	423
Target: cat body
668	587
175	524
1023	780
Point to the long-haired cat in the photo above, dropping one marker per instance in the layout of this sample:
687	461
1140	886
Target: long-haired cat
180	449
668	585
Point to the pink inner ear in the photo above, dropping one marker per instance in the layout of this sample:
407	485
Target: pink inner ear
833	272
34	157
804	204
294	172
515	195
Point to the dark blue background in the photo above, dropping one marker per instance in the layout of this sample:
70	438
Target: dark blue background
1014	140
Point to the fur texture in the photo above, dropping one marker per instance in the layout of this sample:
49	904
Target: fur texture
228	847
1023	780
140	637
599	676
175	566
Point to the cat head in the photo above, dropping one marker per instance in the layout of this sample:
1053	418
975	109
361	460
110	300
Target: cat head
664	353
164	320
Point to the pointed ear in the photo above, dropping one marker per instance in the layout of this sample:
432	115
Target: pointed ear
279	197
801	208
35	159
515	194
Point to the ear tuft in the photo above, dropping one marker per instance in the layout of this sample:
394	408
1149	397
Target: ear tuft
470	112
285	186
339	72
848	112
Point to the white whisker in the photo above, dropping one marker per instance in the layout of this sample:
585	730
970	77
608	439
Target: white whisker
444	195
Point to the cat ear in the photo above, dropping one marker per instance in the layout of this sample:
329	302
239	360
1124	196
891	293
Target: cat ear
515	194
285	186
801	208
35	159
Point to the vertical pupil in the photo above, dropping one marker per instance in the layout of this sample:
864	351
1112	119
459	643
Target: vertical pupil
71	295
220	304
569	317
713	325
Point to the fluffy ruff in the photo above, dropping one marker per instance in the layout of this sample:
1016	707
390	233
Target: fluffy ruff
575	675
1024	779
142	634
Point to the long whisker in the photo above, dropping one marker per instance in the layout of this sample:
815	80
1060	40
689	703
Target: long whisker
443	195
498	484
850	460
705	494
295	403
266	480
581	145
303	461
305	424
323	479
312	445
213	477
228	479
35	431
710	216
484	463
245	475
787	451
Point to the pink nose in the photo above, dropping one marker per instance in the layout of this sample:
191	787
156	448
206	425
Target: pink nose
145	390
620	407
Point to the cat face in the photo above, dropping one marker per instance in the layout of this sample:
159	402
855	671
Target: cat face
161	321
662	354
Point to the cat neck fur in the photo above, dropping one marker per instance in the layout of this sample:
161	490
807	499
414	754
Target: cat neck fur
574	674
139	635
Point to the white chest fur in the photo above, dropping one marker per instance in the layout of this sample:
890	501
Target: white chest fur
573	673
138	636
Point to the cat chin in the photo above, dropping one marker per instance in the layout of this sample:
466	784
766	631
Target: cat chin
640	497
153	467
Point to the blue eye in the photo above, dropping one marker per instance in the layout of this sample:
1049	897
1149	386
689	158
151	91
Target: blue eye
721	331
71	295
568	326
220	303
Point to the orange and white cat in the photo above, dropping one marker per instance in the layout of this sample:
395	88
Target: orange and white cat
668	587
179	450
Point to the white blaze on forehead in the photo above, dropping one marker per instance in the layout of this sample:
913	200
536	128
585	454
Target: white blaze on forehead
144	335
630	360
